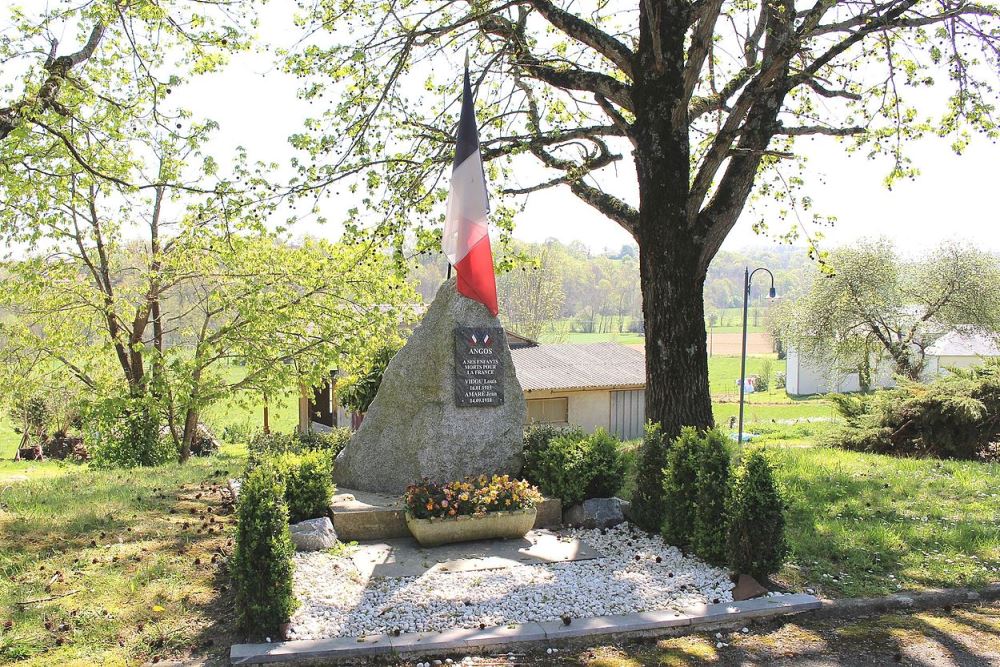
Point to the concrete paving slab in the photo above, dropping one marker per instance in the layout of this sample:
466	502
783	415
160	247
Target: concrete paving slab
453	642
599	625
304	650
506	635
769	606
413	643
406	558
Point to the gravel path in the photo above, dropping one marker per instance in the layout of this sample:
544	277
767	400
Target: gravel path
638	573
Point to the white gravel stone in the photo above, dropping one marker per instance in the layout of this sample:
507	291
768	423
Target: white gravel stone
337	601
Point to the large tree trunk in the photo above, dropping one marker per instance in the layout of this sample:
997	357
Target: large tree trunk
677	391
671	266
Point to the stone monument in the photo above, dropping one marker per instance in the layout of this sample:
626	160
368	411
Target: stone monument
449	405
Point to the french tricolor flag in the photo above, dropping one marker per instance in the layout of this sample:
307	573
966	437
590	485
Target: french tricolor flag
466	240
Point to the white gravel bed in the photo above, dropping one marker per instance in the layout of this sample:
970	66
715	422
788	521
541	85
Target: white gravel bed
638	573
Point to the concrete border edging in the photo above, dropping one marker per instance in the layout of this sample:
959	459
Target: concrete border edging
931	599
518	636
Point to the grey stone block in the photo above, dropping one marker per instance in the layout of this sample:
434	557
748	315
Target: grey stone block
768	606
506	635
313	534
610	625
596	513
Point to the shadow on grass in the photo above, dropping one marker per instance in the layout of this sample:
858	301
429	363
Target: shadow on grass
114	573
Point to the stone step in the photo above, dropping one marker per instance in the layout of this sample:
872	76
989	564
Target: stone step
364	515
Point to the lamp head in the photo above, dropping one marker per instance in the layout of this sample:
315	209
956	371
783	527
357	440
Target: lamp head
771	292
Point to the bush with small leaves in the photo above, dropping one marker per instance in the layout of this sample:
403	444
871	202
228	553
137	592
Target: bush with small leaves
308	483
708	538
127	434
570	465
756	517
262	558
648	507
558	470
680	488
332	441
604	464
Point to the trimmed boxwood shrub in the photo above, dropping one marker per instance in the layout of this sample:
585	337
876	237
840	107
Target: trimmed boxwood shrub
571	465
756	541
680	488
308	483
708	537
604	464
262	558
648	503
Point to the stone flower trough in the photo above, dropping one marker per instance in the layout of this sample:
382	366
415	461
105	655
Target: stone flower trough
489	526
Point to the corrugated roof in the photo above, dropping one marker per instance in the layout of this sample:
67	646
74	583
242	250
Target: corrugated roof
579	366
965	342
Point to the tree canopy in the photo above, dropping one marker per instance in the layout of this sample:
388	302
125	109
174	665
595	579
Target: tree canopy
873	306
709	97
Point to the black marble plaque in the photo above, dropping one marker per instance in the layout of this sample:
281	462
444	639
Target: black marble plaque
478	368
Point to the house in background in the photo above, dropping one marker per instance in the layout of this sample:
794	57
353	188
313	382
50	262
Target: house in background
963	347
805	376
590	386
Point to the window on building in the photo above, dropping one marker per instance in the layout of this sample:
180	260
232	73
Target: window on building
548	410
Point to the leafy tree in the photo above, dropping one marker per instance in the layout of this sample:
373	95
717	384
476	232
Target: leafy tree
113	75
531	296
872	306
709	98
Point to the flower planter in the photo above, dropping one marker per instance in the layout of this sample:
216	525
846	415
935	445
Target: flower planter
489	526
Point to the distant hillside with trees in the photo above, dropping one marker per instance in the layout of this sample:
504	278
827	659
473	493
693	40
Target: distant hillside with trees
598	292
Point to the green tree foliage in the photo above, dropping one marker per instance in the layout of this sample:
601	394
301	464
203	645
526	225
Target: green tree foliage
873	307
648	503
566	93
532	295
756	519
145	268
955	416
262	557
363	375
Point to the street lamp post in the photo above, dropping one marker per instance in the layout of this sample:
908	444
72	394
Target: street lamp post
747	280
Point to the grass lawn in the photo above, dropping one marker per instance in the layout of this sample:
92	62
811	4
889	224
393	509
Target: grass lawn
115	567
864	524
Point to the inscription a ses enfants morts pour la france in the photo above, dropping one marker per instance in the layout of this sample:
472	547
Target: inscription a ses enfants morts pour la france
478	371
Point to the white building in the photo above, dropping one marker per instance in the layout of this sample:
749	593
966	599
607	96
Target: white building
961	348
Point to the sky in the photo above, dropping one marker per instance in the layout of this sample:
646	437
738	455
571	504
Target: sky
954	198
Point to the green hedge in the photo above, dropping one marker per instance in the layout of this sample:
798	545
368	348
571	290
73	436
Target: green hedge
261	564
308	480
571	465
